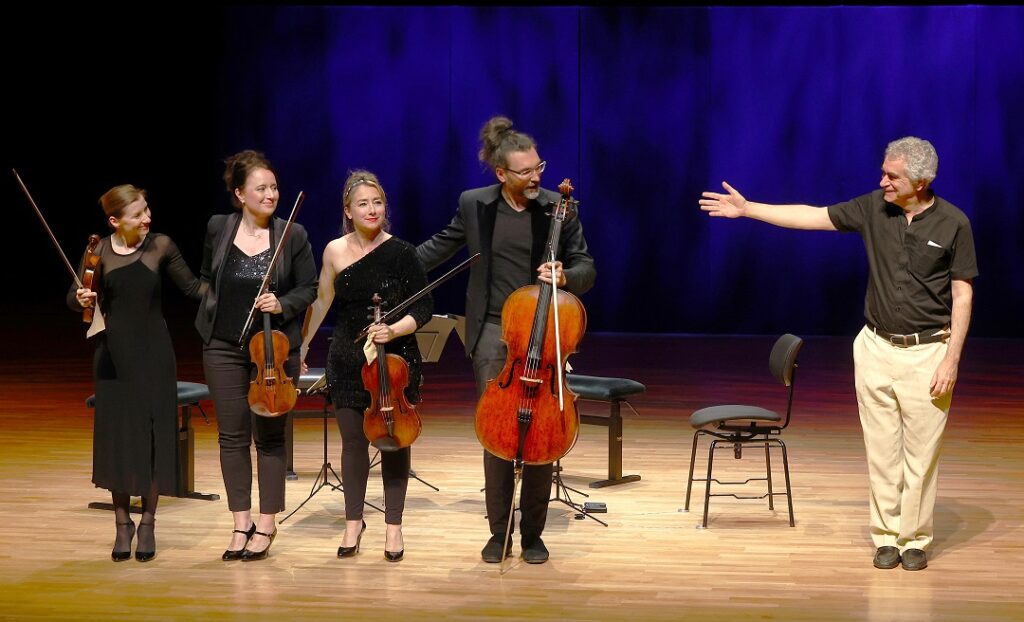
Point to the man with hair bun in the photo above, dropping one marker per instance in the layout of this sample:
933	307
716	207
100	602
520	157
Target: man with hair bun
506	223
918	307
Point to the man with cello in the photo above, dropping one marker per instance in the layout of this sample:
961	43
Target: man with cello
508	224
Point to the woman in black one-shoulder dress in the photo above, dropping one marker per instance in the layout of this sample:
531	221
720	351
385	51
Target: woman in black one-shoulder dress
366	260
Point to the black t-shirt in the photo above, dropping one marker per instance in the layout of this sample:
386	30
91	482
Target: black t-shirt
911	265
510	257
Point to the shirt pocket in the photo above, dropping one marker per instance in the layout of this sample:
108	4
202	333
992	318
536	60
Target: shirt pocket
930	260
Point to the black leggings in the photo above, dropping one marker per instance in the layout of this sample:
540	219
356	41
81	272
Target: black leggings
228	372
355	469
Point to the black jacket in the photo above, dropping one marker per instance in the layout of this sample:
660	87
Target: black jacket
473	226
294	281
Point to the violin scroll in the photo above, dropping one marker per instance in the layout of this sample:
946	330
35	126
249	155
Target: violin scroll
91	275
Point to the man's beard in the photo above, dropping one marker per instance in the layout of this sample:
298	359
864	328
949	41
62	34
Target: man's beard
531	193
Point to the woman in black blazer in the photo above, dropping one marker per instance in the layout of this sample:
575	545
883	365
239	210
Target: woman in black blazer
236	255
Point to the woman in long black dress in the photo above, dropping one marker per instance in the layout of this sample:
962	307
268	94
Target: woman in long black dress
236	256
135	425
366	260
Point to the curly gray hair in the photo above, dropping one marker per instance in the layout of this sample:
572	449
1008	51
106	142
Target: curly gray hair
919	154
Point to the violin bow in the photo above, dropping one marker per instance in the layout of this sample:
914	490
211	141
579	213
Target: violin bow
74	275
273	262
420	294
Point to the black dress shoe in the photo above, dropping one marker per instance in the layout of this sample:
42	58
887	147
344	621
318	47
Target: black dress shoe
253	556
492	553
394	557
914	559
534	551
887	557
349	551
125	533
229	555
146	541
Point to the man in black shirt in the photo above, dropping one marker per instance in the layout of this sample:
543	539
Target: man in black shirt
506	223
918	306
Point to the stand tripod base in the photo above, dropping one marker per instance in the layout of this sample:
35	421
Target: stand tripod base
562	496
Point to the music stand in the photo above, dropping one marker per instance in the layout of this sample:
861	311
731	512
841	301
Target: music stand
432	336
319	387
562	489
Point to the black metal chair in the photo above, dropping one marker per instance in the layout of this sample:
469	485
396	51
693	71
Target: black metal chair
738	425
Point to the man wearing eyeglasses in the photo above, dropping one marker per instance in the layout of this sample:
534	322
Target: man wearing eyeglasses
507	224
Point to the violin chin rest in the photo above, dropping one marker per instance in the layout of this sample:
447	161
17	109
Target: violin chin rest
386	443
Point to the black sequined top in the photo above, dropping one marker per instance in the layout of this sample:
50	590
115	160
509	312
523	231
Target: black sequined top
392	271
240	282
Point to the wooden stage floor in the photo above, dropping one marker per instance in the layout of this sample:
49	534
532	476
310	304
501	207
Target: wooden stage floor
650	563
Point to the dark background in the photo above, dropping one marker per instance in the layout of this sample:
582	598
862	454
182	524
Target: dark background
642	108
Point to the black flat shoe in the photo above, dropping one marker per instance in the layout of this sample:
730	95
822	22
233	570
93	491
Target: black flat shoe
125	555
886	557
914	559
141	555
534	551
349	551
492	553
229	555
252	556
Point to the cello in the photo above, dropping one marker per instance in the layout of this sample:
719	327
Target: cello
527	414
272	393
391	422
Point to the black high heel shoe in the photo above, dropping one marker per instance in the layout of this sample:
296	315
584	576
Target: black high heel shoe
396	556
229	555
349	551
120	556
145	556
252	556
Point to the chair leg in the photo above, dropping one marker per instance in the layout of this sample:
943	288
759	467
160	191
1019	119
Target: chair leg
768	468
789	490
693	459
707	488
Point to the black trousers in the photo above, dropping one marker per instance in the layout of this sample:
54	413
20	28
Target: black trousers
499	475
228	373
355	469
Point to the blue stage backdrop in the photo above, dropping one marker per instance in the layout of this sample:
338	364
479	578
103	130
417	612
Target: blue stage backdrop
643	108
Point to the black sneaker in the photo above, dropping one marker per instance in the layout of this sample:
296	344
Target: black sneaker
914	559
887	557
491	552
534	551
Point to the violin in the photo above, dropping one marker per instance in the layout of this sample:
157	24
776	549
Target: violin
91	275
391	422
272	393
527	414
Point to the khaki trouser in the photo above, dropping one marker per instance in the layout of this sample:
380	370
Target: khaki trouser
903	428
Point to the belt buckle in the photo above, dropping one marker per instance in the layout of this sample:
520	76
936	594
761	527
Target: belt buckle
905	339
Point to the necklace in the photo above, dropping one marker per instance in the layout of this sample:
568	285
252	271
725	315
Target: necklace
255	233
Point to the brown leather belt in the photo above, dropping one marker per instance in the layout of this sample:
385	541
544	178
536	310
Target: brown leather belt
913	339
